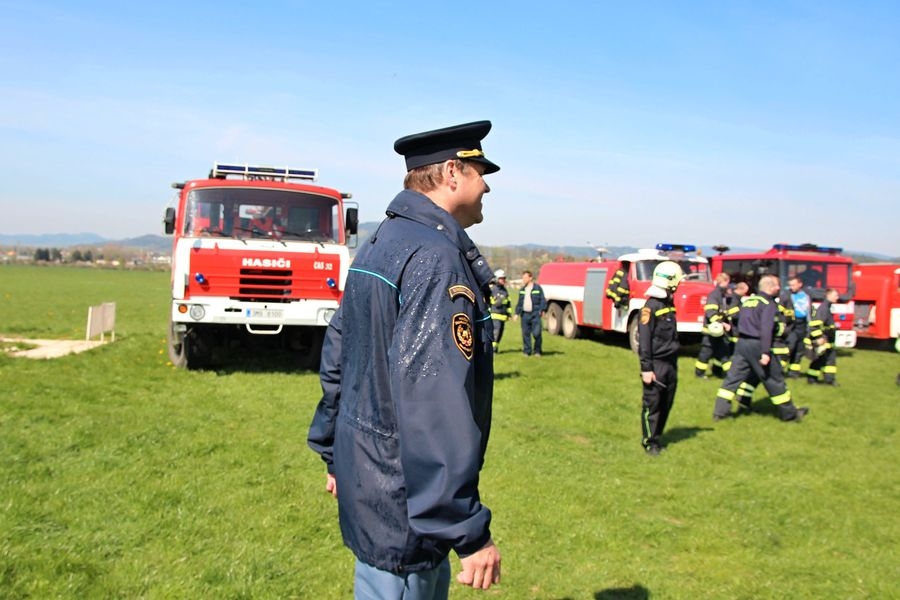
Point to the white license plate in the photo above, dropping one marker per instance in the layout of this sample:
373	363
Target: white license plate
265	313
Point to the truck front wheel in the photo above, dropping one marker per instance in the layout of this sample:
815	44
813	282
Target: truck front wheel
633	338
554	319
570	327
187	350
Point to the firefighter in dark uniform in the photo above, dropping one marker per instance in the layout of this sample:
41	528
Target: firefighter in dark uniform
822	334
501	306
618	289
753	355
714	348
407	380
745	390
658	353
784	328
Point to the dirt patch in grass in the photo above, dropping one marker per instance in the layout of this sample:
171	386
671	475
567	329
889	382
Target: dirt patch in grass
45	348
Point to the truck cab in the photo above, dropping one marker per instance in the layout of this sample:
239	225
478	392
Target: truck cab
259	254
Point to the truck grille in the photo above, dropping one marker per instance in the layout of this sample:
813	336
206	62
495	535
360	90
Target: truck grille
265	285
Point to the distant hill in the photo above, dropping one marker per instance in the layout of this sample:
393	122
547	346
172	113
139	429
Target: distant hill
163	245
50	240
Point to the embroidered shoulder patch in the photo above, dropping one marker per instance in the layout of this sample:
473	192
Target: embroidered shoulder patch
456	291
462	334
645	315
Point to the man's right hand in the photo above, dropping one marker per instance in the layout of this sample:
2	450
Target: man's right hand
331	484
482	569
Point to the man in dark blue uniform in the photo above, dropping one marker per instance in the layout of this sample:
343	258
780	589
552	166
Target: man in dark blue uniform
753	360
407	381
658	352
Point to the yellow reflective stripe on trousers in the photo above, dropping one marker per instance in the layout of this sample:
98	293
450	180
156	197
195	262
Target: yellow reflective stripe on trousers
725	394
499	316
781	398
829	369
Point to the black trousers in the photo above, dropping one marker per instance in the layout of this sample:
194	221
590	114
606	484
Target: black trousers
745	366
715	348
796	346
657	401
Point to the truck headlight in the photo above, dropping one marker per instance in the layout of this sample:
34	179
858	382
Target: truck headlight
197	312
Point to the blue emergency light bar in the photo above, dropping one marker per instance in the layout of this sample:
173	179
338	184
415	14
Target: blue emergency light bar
676	247
808	248
221	170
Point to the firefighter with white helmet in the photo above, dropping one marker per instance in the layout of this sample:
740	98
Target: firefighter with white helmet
501	306
658	352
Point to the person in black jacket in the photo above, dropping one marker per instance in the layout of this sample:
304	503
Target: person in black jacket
822	333
407	381
501	306
658	353
714	348
753	358
618	289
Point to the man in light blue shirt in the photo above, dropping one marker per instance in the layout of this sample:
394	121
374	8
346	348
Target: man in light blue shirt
799	330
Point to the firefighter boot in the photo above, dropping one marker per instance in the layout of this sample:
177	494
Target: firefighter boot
722	409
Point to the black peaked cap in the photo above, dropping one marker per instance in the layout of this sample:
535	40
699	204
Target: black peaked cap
460	141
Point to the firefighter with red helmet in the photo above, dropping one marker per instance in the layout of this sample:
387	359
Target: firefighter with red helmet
658	353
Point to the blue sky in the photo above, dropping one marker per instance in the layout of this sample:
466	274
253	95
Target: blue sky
745	123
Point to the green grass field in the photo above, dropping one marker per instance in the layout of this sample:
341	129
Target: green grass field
125	478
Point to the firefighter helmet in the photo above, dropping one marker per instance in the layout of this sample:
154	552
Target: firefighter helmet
499	273
667	275
716	329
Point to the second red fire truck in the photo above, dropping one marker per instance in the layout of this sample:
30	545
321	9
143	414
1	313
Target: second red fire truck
818	267
576	292
260	255
877	300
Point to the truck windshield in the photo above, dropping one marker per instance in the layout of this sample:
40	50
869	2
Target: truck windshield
817	275
261	213
693	271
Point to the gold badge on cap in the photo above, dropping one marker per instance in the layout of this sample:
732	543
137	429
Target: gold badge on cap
645	315
462	334
456	291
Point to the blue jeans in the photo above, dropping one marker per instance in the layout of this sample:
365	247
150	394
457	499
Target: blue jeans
374	584
531	327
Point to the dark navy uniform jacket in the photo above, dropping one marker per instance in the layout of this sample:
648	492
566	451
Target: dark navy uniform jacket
407	382
758	314
657	332
538	300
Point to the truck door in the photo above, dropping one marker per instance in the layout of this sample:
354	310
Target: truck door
594	292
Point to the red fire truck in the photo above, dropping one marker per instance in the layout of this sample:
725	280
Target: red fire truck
819	268
877	300
260	255
576	292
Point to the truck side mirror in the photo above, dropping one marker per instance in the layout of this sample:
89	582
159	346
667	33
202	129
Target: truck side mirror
169	220
352	221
